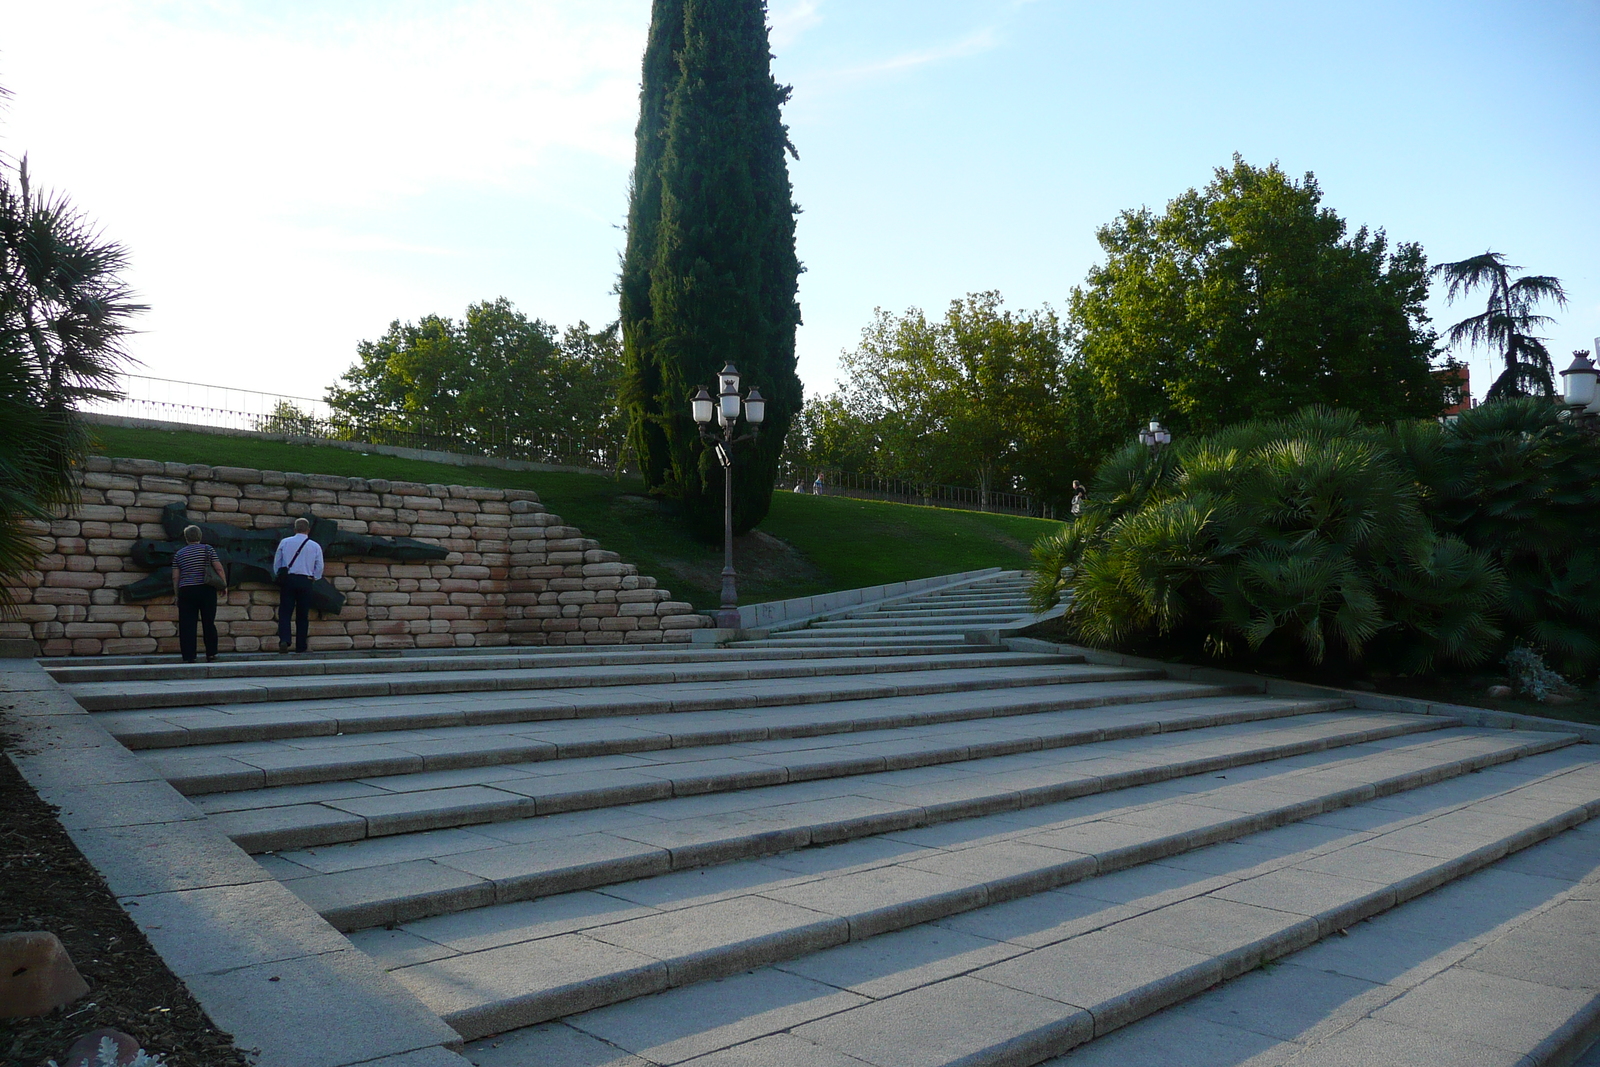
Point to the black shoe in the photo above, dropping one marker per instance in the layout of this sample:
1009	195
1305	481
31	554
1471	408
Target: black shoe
188	659
211	657
282	649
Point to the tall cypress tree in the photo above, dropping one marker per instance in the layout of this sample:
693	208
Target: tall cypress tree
710	272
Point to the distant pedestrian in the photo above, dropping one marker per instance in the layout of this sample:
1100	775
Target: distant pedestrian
1080	496
816	486
296	564
196	597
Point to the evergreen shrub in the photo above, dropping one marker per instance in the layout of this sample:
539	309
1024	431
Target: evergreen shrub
1308	540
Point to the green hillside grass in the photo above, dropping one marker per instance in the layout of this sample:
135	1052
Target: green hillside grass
808	544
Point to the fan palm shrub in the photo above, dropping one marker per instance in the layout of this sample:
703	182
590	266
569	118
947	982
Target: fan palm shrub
1301	540
1518	482
64	312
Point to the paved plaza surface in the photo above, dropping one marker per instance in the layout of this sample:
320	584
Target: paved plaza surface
877	841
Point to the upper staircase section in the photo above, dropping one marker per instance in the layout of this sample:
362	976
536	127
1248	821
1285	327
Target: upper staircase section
943	616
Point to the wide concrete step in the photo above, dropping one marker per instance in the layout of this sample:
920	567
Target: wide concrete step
407	803
813	640
225	767
1498	967
1079	943
924	611
371	882
277	666
164	728
946	603
176	693
913	622
878	632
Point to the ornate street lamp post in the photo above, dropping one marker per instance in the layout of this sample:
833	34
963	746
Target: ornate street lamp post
725	409
1156	437
1580	386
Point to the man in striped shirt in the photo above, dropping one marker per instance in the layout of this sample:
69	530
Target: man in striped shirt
301	558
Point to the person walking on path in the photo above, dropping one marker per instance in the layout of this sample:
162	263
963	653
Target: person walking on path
296	564
1080	496
197	598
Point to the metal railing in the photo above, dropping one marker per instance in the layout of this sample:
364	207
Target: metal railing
224	407
873	487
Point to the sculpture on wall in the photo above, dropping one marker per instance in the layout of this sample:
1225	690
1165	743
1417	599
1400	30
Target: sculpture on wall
247	554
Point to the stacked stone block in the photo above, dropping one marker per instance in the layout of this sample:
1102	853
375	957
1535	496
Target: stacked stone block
515	573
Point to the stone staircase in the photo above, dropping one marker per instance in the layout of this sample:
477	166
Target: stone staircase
938	617
872	841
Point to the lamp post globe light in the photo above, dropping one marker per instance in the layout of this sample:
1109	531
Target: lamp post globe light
1155	437
1580	387
725	408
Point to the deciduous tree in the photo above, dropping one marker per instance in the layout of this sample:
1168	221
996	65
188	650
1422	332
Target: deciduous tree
495	373
1249	299
977	397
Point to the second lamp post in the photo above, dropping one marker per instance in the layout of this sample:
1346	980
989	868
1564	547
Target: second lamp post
1156	437
725	408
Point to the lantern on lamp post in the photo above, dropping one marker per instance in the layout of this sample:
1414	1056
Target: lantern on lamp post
725	408
1155	437
1580	387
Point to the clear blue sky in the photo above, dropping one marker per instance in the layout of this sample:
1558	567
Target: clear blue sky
290	176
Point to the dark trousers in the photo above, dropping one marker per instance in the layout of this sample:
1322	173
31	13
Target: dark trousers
294	595
197	604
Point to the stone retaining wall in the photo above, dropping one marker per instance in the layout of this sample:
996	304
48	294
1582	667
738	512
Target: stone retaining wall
515	573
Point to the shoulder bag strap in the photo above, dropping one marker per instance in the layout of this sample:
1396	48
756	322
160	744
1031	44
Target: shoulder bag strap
297	551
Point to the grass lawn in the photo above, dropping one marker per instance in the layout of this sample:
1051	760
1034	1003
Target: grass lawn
808	544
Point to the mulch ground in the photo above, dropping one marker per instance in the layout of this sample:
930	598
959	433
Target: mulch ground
46	884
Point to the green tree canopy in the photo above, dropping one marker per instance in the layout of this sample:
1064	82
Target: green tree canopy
977	397
494	373
1248	299
709	275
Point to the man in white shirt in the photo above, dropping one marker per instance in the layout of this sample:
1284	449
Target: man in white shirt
296	564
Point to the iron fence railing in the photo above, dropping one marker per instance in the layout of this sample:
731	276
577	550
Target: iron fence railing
222	407
873	487
225	407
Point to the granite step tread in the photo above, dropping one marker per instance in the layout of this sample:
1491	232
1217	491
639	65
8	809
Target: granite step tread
373	881
790	639
501	659
409	803
1066	712
1088	957
160	728
951	621
115	696
1497	969
863	625
1018	607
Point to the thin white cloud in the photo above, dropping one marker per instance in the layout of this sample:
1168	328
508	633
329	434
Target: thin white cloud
788	21
978	41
